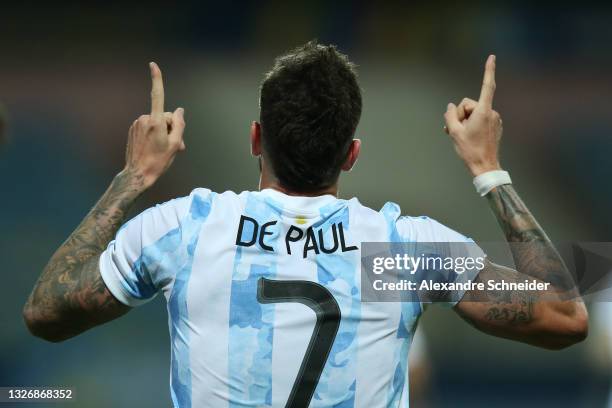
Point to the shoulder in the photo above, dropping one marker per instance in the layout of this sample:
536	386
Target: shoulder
419	228
179	207
361	210
198	204
200	199
364	216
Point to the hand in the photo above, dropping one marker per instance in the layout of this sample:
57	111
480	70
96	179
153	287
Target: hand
476	128
154	139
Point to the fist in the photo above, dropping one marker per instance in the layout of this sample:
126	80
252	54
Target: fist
475	128
154	140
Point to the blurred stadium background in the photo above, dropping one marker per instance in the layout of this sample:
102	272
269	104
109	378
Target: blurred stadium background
72	79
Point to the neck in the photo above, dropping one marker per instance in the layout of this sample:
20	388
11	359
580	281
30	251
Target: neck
266	180
332	190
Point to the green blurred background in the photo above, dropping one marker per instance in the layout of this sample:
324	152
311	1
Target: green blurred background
73	78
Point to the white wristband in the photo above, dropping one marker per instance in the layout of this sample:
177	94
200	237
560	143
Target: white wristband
486	182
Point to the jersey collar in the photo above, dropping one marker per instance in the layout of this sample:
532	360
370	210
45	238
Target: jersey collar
299	205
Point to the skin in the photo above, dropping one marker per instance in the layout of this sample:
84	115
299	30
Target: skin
70	296
268	180
554	319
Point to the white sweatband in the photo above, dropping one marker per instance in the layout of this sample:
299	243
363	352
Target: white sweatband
486	182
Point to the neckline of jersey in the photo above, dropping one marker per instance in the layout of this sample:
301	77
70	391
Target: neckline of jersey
305	206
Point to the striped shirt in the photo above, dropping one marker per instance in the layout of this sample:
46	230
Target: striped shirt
264	301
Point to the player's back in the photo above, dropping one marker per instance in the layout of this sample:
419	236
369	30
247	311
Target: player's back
264	298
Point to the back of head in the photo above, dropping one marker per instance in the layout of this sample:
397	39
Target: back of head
310	108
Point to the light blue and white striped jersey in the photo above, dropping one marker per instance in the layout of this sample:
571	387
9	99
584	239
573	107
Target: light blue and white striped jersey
263	294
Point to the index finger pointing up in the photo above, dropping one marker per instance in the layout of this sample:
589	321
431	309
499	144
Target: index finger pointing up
157	90
488	83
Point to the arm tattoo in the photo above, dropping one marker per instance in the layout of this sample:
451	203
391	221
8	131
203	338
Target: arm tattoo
534	256
502	307
532	251
70	296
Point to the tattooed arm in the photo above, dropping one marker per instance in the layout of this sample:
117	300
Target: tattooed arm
555	320
70	295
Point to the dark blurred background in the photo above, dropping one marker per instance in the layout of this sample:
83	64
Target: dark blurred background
74	77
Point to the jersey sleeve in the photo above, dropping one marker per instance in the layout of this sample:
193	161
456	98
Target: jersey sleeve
437	240
149	249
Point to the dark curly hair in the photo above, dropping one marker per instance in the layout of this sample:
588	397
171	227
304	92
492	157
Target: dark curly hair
310	107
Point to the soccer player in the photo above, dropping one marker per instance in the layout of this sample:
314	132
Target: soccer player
263	287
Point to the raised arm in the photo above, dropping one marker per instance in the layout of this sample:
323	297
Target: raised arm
554	319
70	295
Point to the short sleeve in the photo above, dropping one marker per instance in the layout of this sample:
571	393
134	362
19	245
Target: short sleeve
143	257
437	240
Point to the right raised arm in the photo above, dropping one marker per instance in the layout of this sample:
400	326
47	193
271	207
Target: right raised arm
70	295
554	320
